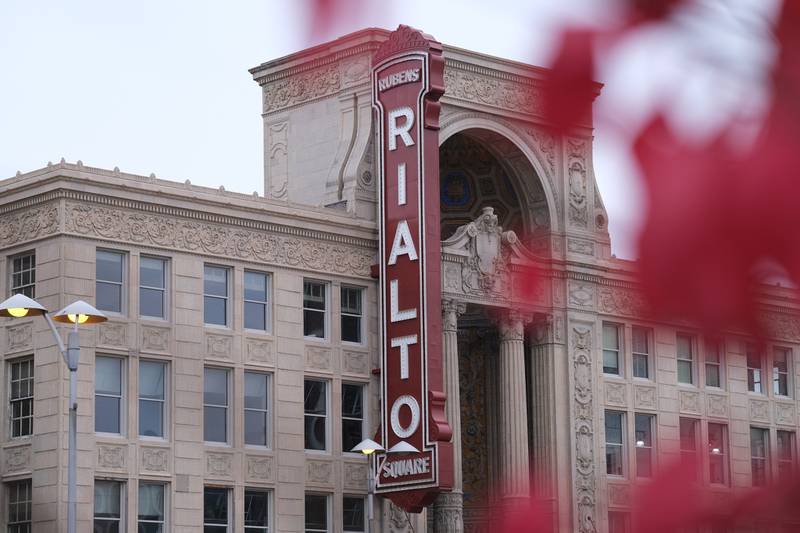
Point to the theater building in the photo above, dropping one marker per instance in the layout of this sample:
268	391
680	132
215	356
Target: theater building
242	358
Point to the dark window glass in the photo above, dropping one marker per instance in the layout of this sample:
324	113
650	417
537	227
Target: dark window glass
786	464
152	286
644	445
108	287
641	352
23	275
256	511
754	369
352	415
713	363
215	405
255	300
688	439
19	506
316	412
151	508
215	295
353	513
215	510
611	349
618	522
314	307
21	398
107	506
255	408
316	513
614	443
108	394
717	454
151	398
759	456
780	371
685	359
351	314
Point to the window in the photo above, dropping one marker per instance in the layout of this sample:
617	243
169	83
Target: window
151	516
108	394
644	445
353	513
316	414
23	275
754	370
152	287
785	455
611	349
109	285
352	415
108	507
351	314
688	441
780	371
641	352
216	518
614	443
314	307
21	398
256	310
618	522
316	513
215	405
713	363
215	295
685	359
256	415
759	456
19	506
152	398
717	454
256	511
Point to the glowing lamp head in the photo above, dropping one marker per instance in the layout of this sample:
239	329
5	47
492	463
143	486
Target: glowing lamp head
18	312
367	447
79	313
19	306
79	318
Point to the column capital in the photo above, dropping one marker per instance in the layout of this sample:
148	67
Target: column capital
511	324
451	310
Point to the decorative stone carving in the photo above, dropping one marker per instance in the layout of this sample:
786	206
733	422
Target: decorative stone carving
355	71
578	212
17	459
616	394
154	459
154	338
112	334
259	468
219	464
644	397
28	223
355	475
717	405
319	472
581	294
583	420
318	358
689	402
19	337
514	93
580	246
785	413
759	410
782	326
355	362
300	88
621	301
449	514
111	456
223	240
259	351
278	160
218	345
511	326
451	310
619	494
546	142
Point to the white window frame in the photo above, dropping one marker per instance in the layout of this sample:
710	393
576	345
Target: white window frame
620	350
648	333
363	511
270	518
326	318
326	416
228	397
17	289
719	345
229	504
123	298
622	445
651	449
12	401
364	424
164	291
724	453
227	298
165	504
165	403
342	313
266	303
752	348
267	412
11	486
328	513
692	360
122	502
776	373
123	412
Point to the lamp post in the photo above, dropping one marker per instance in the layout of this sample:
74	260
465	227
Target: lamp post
79	312
368	447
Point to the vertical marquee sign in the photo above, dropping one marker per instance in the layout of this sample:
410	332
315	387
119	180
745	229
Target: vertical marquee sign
408	80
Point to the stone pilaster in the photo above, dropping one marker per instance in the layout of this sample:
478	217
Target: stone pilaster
514	467
449	506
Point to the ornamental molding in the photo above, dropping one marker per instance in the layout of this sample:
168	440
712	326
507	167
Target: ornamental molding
111	456
17	459
583	427
154	459
154	338
318	358
29	224
219	464
259	468
316	64
355	476
320	472
619	301
216	239
258	351
19	337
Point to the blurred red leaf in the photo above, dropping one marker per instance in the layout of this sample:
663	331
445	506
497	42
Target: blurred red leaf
569	87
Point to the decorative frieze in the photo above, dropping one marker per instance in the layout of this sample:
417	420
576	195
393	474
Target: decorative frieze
19	337
616	394
583	427
785	413
152	459
17	459
689	402
620	301
355	362
581	294
258	351
219	464
319	472
644	397
112	457
112	334
219	345
515	94
259	468
717	405
759	410
301	88
318	358
28	224
619	494
155	339
580	246
355	476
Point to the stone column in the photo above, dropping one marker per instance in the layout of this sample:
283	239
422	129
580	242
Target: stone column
514	467
449	505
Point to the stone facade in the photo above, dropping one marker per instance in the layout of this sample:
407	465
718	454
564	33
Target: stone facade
317	222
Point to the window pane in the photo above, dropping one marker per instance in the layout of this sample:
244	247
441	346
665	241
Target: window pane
215	311
610	362
151	272
314	295
613	427
684	346
315	433
610	337
314	324
151	418
255	390
151	302
215	388
639	340
151	380
685	372
640	369
109	297
215	506
712	376
753	356
215	424
644	428
351	300
255	286
151	501
352	400
316	512
688	434
353	513
351	434
255	316
255	428
106	414
106	499
644	462
109	266
351	328
315	397
785	451
256	508
614	460
215	281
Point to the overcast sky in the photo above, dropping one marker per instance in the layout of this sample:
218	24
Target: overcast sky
162	86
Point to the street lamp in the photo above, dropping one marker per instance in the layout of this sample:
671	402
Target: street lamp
368	447
76	313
